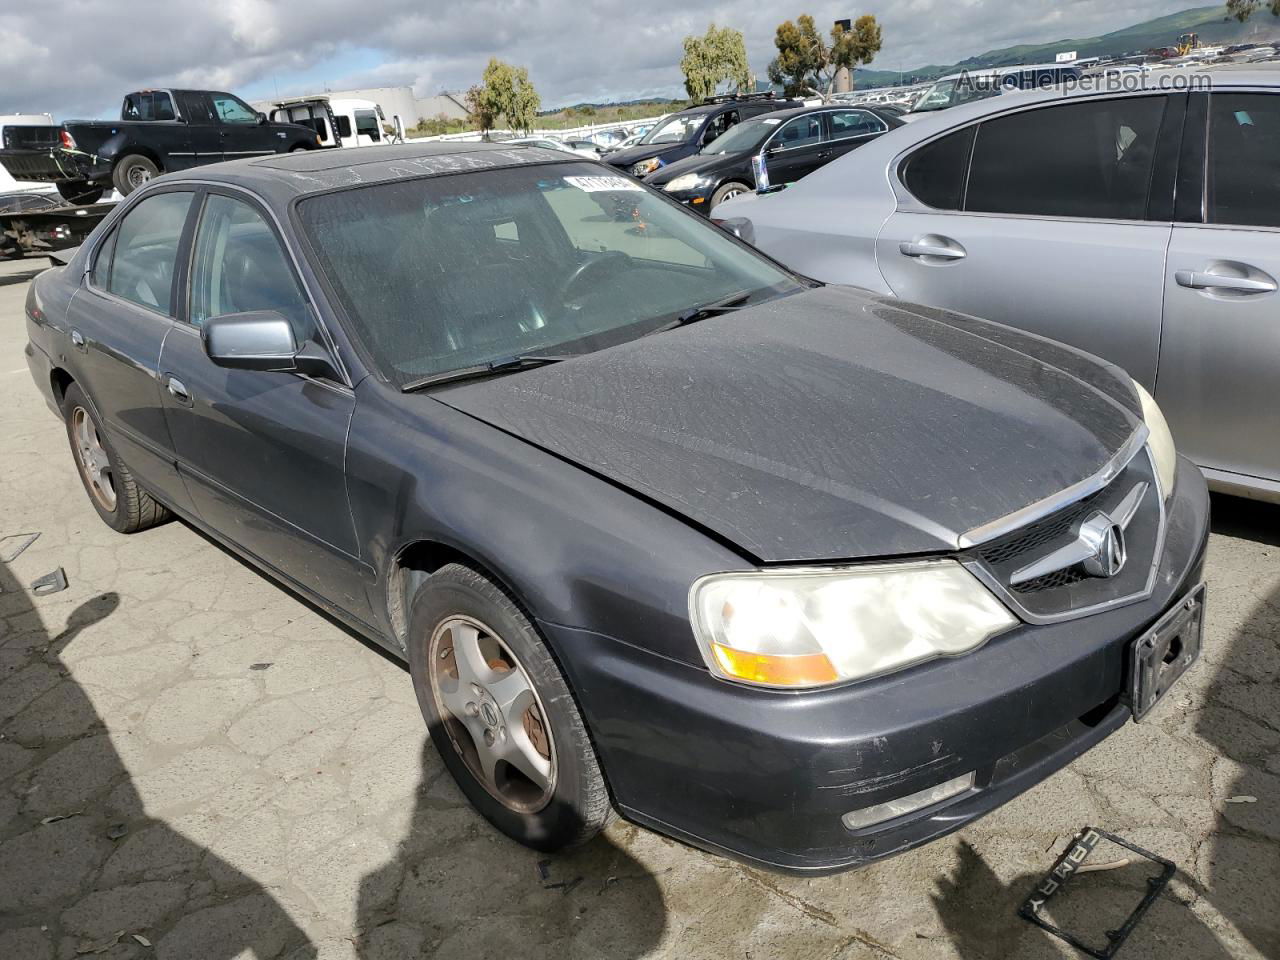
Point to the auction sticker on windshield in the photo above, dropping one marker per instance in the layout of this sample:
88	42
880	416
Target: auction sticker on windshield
599	184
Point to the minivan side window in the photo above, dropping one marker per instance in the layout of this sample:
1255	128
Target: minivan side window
1089	159
1244	157
935	173
137	261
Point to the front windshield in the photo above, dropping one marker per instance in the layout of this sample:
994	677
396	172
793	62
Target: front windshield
441	273
957	90
747	135
675	129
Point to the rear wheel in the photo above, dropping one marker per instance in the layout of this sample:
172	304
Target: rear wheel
132	172
727	191
120	502
79	191
501	714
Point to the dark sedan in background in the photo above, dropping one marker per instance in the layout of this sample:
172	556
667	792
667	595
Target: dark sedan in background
789	143
790	572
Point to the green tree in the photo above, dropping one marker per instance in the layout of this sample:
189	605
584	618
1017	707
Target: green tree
714	58
806	64
1242	10
505	92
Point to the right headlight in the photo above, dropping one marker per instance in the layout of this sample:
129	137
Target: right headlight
815	627
1160	440
686	181
645	167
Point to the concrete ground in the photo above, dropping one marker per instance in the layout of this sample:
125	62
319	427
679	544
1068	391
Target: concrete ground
196	765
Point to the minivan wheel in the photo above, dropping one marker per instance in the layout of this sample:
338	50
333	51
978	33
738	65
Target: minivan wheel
500	713
121	503
133	172
727	191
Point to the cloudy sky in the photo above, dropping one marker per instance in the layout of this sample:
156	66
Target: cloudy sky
78	57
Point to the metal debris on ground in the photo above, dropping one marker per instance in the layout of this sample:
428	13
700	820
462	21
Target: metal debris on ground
1242	798
142	940
54	582
259	666
1072	862
12	546
62	816
543	872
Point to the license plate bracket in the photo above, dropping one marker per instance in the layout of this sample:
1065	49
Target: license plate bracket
1164	653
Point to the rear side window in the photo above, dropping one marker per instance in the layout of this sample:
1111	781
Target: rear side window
853	123
1074	160
137	261
157	105
935	173
800	132
1244	159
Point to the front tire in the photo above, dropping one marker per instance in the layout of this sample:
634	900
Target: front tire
121	503
727	191
501	714
132	172
79	192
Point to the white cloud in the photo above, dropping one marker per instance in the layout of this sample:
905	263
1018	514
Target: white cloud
574	50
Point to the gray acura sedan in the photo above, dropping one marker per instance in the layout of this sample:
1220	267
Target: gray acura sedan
790	572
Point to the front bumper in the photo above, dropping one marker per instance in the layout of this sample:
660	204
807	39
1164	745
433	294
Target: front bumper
765	776
698	199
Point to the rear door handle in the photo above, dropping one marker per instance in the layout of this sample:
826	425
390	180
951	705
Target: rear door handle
77	340
178	390
1203	280
943	248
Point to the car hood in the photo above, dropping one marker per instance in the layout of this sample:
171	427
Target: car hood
642	151
694	164
827	425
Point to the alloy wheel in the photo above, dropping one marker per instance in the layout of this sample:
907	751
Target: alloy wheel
492	714
92	459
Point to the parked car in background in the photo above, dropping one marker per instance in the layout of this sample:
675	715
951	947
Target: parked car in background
159	131
683	134
796	573
337	122
969	85
791	144
550	143
1143	227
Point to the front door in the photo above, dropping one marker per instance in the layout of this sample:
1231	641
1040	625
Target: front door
798	148
1220	354
1058	225
118	321
263	453
242	130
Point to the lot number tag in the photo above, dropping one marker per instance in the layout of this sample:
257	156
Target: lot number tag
601	184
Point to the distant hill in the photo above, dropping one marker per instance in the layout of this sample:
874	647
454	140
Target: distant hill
1213	24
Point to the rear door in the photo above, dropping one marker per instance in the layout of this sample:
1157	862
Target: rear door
242	131
206	132
1055	219
1220	353
159	127
797	148
118	322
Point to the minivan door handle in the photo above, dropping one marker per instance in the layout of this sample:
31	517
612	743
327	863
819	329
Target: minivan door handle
1205	280
932	247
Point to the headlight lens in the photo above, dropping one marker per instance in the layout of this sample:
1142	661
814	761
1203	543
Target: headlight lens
811	628
645	166
686	181
1160	441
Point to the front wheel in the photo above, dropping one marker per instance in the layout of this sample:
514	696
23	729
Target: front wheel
727	191
79	192
133	172
500	713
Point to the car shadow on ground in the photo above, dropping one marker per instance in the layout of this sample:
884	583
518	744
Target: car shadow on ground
1239	857
83	868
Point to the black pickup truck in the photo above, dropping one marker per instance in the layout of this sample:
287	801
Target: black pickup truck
158	131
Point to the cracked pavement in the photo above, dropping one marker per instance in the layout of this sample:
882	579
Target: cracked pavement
196	764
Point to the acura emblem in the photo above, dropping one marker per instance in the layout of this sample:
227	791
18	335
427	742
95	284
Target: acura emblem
1098	547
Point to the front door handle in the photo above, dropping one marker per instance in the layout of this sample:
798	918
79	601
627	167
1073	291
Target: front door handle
77	340
1206	280
178	390
932	247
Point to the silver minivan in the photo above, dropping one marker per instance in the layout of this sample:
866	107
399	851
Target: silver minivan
1141	225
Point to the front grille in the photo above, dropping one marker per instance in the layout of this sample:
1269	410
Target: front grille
1067	591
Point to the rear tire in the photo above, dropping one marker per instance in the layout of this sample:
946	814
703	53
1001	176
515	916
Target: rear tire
725	192
132	172
121	503
79	192
458	610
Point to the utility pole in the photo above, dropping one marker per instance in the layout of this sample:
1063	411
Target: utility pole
843	80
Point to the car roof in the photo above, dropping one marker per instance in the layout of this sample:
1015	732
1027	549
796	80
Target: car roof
801	111
281	177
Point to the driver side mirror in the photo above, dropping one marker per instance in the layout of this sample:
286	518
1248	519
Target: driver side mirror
261	340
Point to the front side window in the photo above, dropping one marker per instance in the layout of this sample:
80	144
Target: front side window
797	133
239	267
719	124
1244	159
436	274
674	129
367	124
748	135
853	123
232	109
137	260
1090	159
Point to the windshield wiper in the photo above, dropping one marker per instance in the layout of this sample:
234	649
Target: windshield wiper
735	301
523	361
